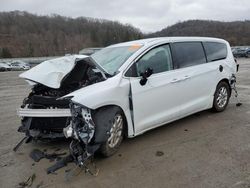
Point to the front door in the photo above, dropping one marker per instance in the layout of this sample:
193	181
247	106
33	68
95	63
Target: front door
160	99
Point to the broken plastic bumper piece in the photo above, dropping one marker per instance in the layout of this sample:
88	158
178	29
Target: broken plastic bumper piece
59	112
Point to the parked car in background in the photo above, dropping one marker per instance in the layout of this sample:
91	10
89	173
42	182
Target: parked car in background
248	52
19	65
241	52
127	89
89	51
4	67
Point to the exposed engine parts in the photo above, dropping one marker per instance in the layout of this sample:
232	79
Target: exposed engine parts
43	97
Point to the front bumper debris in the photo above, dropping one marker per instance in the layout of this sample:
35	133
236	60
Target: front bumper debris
82	130
58	112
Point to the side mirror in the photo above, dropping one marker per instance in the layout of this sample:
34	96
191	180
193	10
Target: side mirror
148	72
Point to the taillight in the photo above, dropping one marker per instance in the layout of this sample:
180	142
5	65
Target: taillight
237	65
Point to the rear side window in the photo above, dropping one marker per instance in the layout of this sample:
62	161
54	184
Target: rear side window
187	54
215	51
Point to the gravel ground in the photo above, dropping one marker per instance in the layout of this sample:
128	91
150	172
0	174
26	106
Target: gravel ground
203	150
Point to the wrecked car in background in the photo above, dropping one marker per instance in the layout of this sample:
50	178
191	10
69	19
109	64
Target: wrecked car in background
129	88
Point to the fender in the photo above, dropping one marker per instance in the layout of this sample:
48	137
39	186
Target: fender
113	91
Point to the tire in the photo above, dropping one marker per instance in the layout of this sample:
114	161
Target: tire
113	142
221	97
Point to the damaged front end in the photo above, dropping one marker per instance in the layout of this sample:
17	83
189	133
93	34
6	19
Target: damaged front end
82	130
44	113
43	116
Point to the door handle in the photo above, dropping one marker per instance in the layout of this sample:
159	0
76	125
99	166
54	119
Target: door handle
186	77
180	79
175	80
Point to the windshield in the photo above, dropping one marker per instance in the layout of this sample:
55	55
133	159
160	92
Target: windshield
112	58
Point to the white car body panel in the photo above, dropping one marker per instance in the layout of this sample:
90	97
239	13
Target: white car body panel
113	91
95	96
162	97
50	73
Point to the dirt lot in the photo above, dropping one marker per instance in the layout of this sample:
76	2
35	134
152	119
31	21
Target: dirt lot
203	150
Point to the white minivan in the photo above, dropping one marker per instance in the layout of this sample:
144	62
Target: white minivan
142	85
150	83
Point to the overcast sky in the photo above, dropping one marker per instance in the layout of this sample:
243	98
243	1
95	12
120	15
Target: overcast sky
147	15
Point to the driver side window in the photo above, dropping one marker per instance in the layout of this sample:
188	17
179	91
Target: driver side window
158	59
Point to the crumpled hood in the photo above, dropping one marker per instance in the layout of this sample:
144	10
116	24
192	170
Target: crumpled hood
50	73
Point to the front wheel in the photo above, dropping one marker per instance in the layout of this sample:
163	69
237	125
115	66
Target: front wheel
116	135
221	97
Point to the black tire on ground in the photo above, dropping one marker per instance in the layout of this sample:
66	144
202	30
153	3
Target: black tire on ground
117	121
221	97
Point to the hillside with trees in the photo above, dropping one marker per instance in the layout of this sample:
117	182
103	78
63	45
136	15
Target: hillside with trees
27	35
237	33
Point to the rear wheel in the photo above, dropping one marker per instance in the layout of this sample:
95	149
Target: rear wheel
221	97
